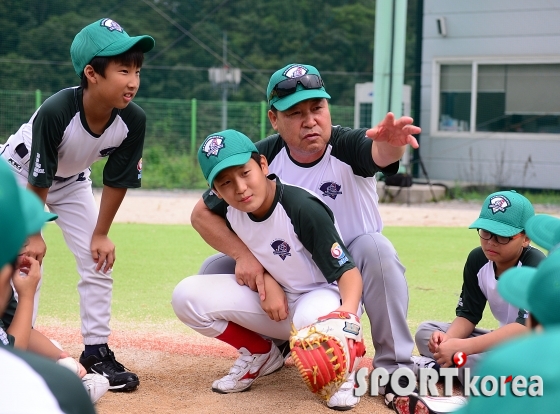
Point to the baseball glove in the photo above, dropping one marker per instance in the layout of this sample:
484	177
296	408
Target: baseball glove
327	351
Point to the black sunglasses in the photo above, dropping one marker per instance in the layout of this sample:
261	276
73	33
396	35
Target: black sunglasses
289	86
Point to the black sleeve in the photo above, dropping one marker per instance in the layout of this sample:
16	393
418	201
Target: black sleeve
472	301
124	166
352	147
313	223
270	147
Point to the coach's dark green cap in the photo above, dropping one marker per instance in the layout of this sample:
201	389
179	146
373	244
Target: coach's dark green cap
294	83
222	150
537	290
104	37
513	374
504	213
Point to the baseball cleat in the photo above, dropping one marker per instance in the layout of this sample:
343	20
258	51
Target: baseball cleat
344	399
119	378
413	404
96	386
390	395
247	368
421	362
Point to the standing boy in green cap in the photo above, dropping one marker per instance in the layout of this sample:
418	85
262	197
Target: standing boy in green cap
503	245
52	155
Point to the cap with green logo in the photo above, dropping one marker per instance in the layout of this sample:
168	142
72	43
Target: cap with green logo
537	290
222	150
104	37
22	214
294	83
530	356
544	230
504	213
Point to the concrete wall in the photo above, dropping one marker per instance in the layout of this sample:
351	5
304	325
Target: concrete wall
496	31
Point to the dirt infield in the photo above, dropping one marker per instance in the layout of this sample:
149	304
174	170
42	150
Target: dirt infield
177	366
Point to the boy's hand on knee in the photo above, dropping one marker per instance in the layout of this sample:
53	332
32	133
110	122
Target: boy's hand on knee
249	271
103	252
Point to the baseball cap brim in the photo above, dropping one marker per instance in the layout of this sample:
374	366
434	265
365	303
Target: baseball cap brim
513	286
145	42
34	213
232	161
300	95
501	229
544	230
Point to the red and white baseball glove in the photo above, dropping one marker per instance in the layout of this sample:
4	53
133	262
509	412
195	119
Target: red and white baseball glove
327	351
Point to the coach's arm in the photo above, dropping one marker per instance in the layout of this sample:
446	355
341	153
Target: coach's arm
213	229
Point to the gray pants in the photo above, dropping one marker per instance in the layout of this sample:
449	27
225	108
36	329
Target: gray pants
424	333
385	296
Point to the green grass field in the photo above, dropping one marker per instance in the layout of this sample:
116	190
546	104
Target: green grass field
152	259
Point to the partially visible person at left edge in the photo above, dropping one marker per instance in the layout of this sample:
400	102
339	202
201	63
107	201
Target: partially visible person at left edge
52	155
28	383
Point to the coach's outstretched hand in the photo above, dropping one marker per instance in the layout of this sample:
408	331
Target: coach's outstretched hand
395	132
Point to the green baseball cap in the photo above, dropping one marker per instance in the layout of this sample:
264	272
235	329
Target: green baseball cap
12	223
22	214
294	83
536	290
104	37
222	150
544	230
504	213
528	356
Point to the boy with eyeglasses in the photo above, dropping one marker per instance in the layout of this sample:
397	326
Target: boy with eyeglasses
503	245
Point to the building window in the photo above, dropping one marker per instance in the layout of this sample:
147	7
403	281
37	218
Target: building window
509	98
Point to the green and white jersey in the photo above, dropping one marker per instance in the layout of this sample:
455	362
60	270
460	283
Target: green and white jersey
343	178
32	384
60	144
480	286
297	241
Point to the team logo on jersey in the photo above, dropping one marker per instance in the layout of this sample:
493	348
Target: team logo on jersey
281	248
499	203
295	71
37	168
111	25
330	189
338	254
213	145
105	152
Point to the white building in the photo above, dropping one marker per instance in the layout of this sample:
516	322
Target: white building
490	92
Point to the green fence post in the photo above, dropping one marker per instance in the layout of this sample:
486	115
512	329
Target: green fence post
263	119
193	126
38	100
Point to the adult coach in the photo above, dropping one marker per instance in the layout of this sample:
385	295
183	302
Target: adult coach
338	164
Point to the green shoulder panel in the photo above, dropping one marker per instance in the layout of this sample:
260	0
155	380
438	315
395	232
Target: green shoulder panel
313	223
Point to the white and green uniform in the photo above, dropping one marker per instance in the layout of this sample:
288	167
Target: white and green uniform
344	179
480	286
298	243
55	150
32	384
